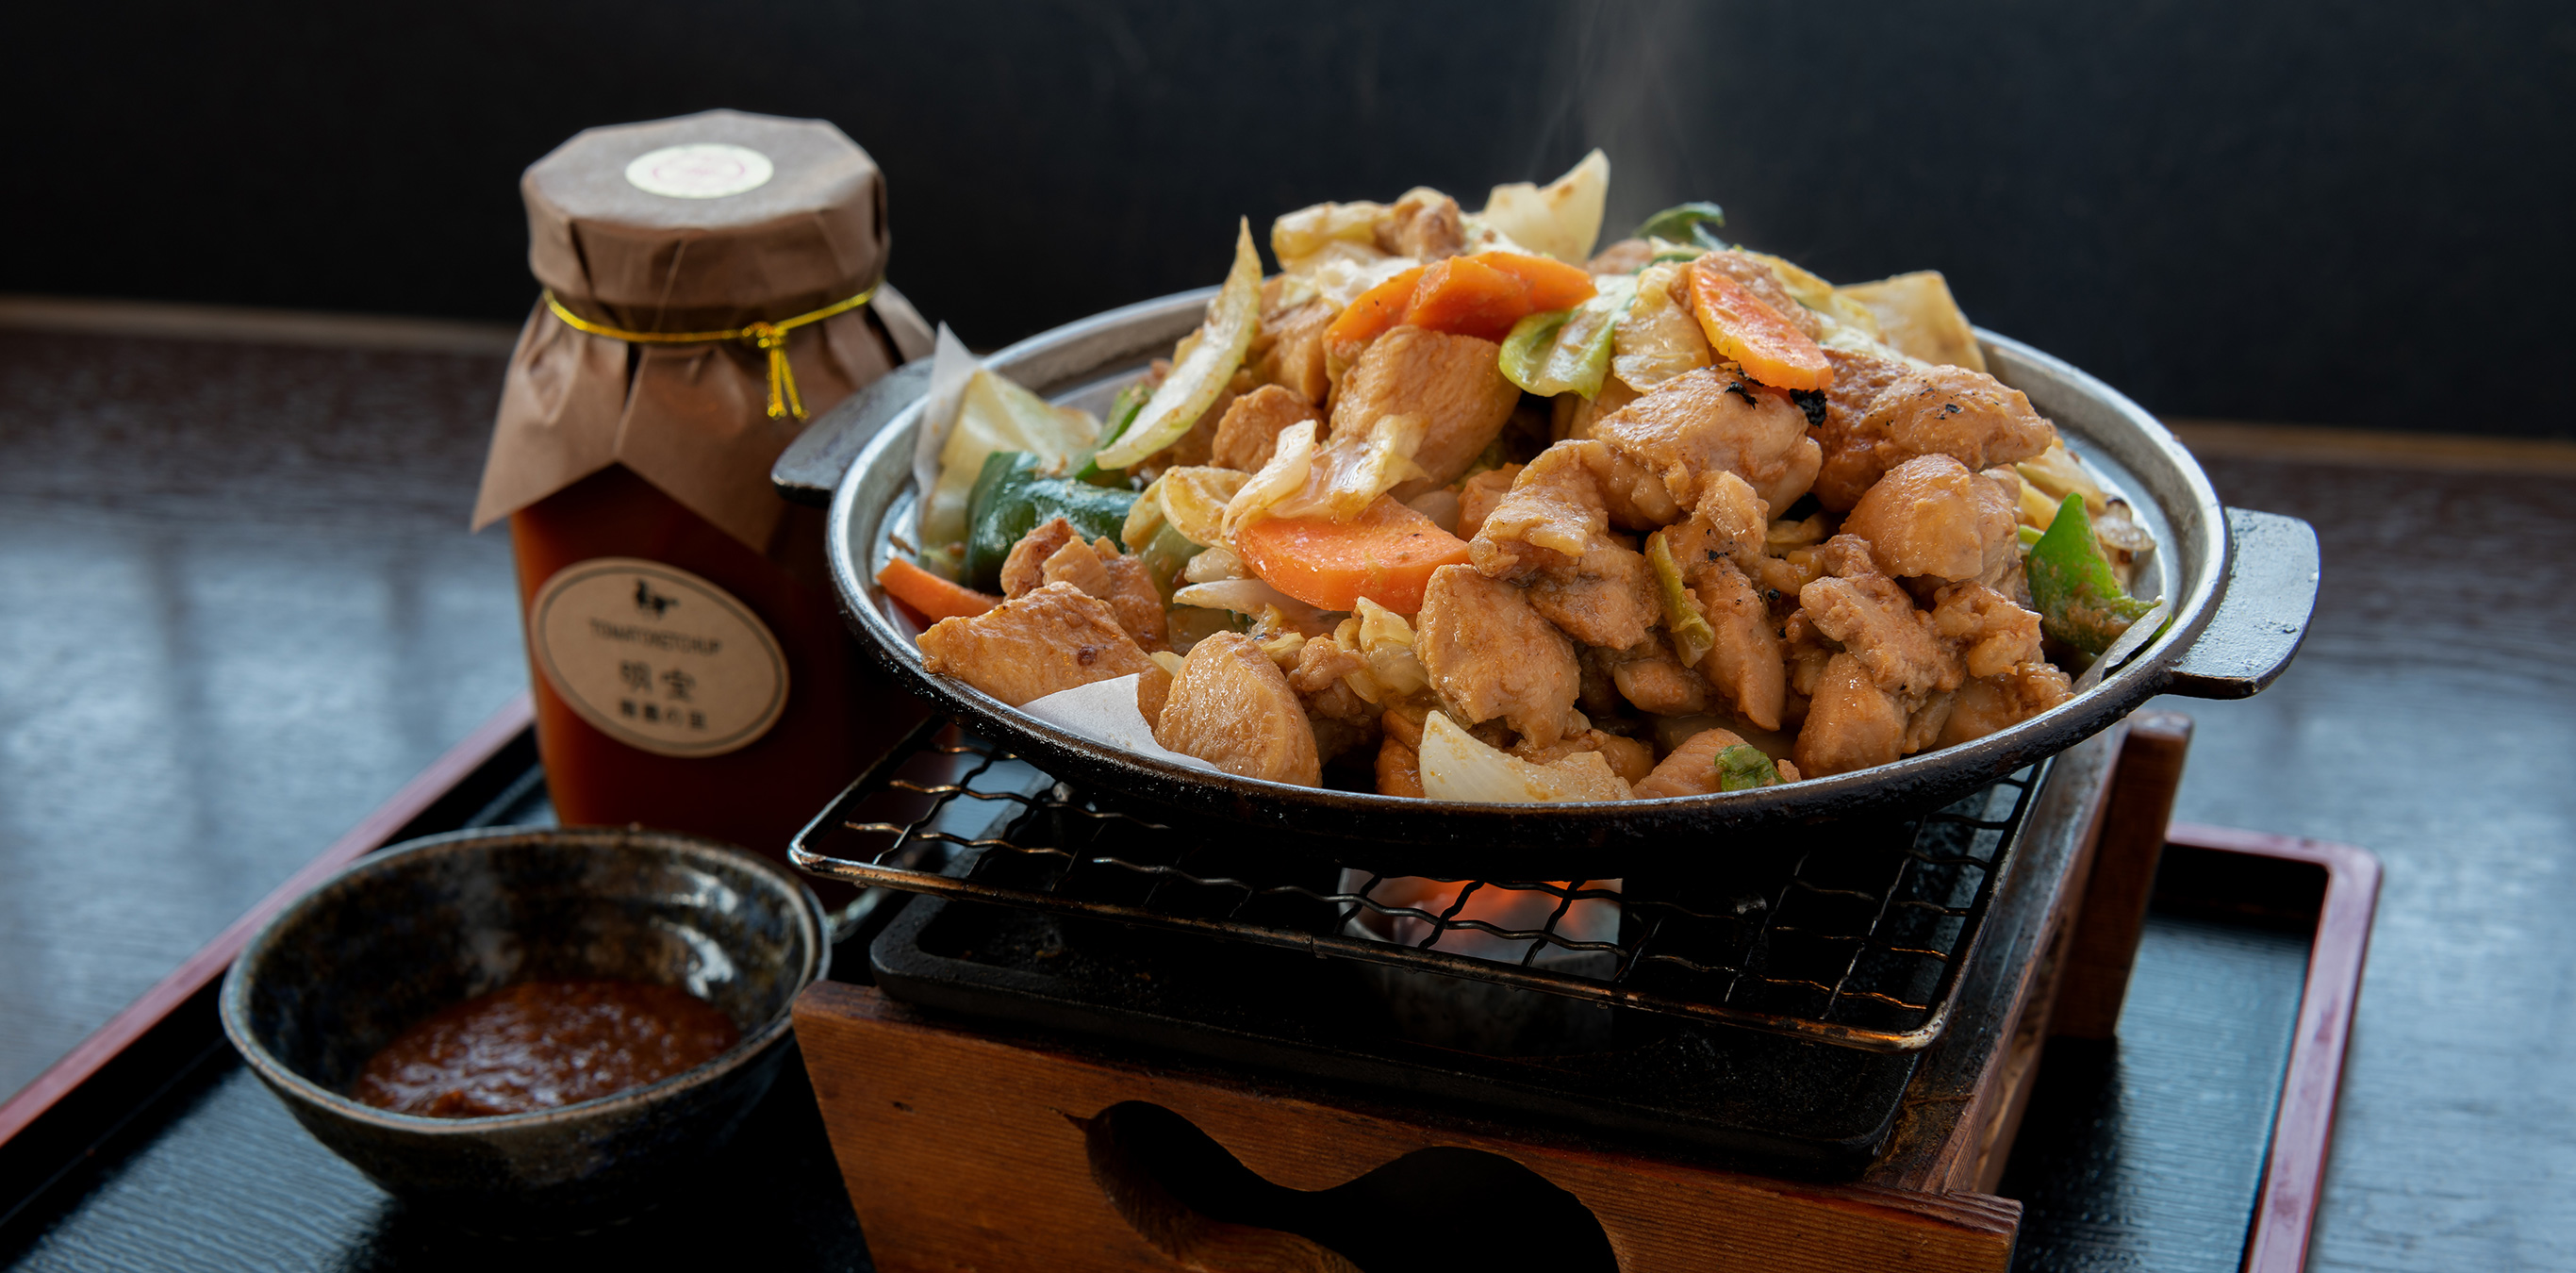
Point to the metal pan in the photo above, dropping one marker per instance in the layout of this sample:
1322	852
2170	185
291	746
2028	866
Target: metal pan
2242	585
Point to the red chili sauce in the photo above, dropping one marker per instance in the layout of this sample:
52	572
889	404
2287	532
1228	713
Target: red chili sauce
541	1044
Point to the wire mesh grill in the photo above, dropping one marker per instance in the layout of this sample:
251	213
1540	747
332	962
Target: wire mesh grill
1850	934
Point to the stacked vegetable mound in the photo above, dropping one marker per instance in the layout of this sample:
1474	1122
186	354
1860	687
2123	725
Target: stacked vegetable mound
1514	521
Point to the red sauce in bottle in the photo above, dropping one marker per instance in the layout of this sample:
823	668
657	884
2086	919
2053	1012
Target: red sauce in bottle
543	1044
841	713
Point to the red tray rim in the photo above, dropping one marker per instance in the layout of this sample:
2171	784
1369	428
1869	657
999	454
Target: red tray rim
205	967
2285	1209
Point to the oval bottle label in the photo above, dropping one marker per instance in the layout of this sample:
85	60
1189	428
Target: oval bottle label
657	658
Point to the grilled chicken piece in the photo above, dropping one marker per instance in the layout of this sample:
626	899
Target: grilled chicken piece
1804	654
1572	414
1551	515
1851	722
1708	420
1991	632
1560	504
1452	382
1846	557
1931	516
1024	570
1865	612
1786	576
1233	708
1630	758
1399	769
1490	655
1289	350
1403	722
1923	726
1729	524
1052	638
1340	718
1133	595
2008	479
1967	415
1691	769
1424	224
1153	690
1849	464
1745	661
1597	694
1051	554
1605	597
1659	685
1478	495
1990	703
1075	563
1249	433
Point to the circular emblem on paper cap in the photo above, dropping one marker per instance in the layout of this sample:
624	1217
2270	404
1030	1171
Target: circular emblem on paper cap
700	170
657	658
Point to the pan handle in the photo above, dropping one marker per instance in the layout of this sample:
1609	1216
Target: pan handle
2263	614
810	469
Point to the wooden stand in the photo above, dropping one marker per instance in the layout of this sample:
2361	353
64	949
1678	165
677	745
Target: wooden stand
2102	948
967	1145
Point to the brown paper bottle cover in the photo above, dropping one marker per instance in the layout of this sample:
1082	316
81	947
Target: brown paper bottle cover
691	419
687	657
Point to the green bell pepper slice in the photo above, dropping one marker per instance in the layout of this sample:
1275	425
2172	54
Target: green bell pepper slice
1012	497
1743	767
1123	410
2081	603
1686	223
1692	637
1164	556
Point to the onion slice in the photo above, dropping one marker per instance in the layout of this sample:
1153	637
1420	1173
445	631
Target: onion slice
1186	394
1455	766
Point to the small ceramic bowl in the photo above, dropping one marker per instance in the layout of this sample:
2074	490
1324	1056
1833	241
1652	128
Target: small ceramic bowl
415	928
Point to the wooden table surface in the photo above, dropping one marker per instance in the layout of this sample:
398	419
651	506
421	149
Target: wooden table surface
241	608
2431	718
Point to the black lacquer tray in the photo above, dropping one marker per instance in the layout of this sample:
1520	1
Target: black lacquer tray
164	1152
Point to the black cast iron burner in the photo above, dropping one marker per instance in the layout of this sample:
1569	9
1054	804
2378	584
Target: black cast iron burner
1766	997
1848	933
1773	1104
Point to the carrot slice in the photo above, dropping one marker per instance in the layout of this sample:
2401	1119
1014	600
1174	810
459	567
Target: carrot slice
935	598
1480	295
1466	297
1377	309
1741	327
1385	554
1553	284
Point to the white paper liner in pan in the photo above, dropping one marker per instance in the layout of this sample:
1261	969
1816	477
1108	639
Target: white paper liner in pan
1106	712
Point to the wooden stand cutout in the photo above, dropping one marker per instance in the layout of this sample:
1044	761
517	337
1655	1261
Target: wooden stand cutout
967	1149
973	1145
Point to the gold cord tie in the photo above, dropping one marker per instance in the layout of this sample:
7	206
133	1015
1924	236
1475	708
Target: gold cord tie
768	337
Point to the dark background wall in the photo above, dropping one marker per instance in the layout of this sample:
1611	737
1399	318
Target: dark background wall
2346	213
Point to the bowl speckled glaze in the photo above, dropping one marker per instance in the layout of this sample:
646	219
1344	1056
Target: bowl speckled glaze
415	928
